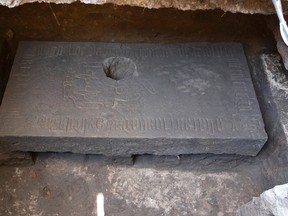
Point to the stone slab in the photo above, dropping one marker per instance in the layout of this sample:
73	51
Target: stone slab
126	99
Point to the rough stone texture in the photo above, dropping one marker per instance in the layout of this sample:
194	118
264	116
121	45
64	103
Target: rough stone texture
272	83
281	46
151	99
270	202
278	79
243	6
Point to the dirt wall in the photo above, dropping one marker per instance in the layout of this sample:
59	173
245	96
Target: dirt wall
242	6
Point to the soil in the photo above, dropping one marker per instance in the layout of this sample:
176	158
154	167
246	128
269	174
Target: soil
68	184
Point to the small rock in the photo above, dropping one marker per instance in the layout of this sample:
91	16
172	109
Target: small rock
271	202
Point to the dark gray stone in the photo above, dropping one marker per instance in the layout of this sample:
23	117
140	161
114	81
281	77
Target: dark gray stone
272	81
269	203
125	99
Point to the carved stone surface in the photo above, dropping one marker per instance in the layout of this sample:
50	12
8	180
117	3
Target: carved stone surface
123	99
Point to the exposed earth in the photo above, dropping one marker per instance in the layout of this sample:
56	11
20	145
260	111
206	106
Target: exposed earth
68	184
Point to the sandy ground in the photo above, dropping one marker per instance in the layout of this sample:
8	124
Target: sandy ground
68	184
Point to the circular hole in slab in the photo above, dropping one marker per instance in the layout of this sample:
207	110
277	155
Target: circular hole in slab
118	68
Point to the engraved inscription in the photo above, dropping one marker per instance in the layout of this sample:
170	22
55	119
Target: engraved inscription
208	51
243	101
82	125
22	79
196	51
246	123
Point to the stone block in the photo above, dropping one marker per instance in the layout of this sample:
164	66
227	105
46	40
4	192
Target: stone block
131	99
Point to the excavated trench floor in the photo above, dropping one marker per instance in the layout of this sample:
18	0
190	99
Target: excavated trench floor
61	184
